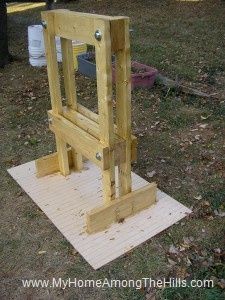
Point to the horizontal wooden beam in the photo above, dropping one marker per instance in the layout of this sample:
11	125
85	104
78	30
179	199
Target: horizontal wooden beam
49	164
92	127
79	139
101	217
82	26
94	117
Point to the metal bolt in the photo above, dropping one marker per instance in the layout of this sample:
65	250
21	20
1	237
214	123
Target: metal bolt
98	156
98	35
44	24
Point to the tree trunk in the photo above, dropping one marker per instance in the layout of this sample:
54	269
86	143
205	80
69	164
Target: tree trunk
5	56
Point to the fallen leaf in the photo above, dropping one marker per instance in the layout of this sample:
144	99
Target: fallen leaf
205	117
219	213
203	126
199	197
151	174
173	250
171	262
41	252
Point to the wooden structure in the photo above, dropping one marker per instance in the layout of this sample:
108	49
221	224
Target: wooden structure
90	135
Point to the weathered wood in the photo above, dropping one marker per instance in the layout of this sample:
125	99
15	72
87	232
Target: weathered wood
101	217
174	84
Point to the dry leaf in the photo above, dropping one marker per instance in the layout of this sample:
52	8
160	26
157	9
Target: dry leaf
203	126
41	252
151	174
171	262
173	250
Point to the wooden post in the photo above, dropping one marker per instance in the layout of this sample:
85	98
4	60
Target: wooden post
70	89
54	87
123	107
105	108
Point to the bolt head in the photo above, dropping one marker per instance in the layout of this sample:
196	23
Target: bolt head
44	24
98	35
98	156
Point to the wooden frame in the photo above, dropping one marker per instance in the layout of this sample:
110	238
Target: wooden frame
89	135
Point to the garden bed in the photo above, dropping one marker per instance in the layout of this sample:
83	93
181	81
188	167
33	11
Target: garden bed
141	75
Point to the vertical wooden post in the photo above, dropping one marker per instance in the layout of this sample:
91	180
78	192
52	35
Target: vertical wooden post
70	89
105	108
123	107
54	86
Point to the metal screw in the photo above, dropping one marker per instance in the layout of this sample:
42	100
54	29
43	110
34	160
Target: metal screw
44	24
98	35
98	156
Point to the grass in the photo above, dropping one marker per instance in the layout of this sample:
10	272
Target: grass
183	40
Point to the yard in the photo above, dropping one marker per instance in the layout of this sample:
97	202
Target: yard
181	147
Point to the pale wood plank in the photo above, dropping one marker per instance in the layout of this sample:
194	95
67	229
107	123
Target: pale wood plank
101	217
79	139
50	164
102	247
123	107
54	86
105	109
94	117
92	127
70	88
68	73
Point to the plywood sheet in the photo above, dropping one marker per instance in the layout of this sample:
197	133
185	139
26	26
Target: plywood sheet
65	201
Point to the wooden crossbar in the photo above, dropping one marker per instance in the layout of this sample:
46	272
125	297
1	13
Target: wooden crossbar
73	25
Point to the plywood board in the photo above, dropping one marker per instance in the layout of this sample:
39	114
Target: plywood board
65	201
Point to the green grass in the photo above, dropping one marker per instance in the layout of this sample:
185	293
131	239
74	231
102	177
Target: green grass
192	293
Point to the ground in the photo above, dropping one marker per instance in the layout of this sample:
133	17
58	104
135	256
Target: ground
181	147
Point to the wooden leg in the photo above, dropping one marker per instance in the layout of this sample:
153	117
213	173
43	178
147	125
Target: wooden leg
104	85
123	109
62	156
77	161
70	88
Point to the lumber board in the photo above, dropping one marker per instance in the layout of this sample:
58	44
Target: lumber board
79	139
65	201
70	87
54	88
103	58
52	65
94	117
68	73
75	25
92	127
116	211
117	34
50	164
123	107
